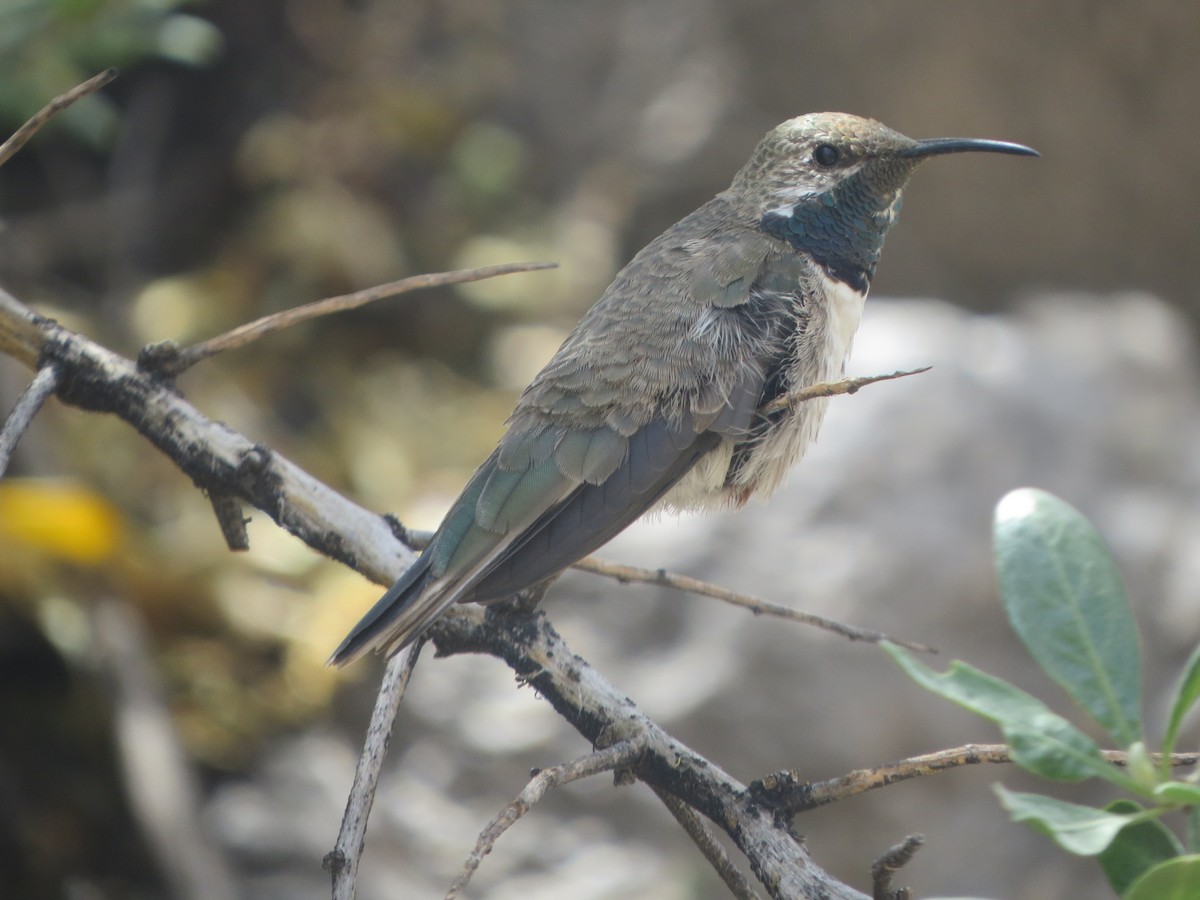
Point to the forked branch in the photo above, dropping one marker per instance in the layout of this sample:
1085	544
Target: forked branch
620	754
219	458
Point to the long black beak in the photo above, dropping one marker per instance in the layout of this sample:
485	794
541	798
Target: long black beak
938	146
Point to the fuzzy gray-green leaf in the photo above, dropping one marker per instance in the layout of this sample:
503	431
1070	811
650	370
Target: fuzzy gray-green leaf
1042	742
1082	830
1067	603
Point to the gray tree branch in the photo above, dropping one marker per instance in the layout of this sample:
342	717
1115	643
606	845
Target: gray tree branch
342	861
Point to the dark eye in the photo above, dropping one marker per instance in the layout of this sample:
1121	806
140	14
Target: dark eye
825	155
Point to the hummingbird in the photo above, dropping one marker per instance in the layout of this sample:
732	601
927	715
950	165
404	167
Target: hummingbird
658	399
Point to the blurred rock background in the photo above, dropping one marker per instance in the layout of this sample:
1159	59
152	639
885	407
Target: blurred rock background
254	156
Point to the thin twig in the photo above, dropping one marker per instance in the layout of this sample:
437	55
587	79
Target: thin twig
662	577
789	792
169	360
627	574
889	863
21	136
619	754
342	861
1121	758
832	388
708	844
43	385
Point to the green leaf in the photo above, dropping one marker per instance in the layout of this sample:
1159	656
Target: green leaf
1175	879
1136	848
1060	752
1082	830
1042	742
1067	603
1178	793
1189	691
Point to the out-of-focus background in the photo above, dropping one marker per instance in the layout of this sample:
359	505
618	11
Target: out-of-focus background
254	156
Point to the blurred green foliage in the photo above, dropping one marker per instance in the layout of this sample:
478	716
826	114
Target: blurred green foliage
48	44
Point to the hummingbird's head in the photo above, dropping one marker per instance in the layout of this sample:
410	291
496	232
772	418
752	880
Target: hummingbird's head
830	183
814	153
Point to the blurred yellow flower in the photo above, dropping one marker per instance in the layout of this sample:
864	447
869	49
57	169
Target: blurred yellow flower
60	518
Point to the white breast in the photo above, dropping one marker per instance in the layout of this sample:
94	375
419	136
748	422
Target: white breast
830	337
845	312
821	357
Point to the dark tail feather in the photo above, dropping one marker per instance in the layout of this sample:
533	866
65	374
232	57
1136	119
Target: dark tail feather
396	619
